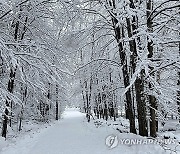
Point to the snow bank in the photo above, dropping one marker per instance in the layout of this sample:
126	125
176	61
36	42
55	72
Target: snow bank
3	143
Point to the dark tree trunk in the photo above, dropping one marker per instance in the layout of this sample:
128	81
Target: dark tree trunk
178	92
141	105
119	34
20	120
10	89
57	104
5	120
87	103
152	99
139	83
123	59
106	112
57	110
8	102
153	121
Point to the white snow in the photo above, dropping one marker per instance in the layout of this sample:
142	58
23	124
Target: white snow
73	135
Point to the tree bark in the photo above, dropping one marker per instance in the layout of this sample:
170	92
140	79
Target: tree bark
123	59
57	104
141	105
152	99
178	92
139	82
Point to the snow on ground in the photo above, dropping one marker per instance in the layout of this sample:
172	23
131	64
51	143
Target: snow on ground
72	135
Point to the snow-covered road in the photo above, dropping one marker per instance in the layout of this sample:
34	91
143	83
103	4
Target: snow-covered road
72	135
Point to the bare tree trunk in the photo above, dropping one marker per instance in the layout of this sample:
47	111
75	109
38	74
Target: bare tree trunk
20	119
87	102
8	102
141	105
178	93
152	99
119	34
5	120
139	83
24	95
57	104
123	58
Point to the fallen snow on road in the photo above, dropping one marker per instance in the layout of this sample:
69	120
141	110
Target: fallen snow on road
72	135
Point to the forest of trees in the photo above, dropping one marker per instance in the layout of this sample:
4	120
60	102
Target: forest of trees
104	55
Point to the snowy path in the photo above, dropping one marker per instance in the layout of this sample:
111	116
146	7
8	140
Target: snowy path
72	135
68	136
